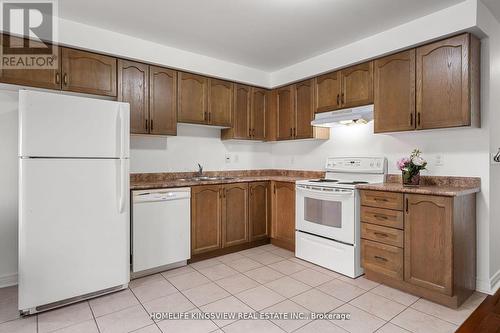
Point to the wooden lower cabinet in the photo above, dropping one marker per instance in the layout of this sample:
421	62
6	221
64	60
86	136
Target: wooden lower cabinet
283	215
259	207
206	218
235	214
437	257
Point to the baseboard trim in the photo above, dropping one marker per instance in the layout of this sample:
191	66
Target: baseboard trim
8	280
495	282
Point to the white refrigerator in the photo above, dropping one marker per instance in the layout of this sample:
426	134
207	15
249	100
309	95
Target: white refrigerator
74	202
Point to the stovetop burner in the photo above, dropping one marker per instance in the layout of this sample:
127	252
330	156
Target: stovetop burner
352	183
323	180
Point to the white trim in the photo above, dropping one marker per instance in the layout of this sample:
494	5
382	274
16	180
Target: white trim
495	282
8	280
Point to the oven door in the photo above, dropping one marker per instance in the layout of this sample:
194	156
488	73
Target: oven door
326	212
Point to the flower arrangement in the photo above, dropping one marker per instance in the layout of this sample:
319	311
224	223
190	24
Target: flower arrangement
411	167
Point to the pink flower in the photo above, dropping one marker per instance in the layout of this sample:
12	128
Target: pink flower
403	163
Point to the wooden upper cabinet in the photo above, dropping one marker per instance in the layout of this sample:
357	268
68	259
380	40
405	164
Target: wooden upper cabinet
428	243
259	210
304	109
258	113
220	102
328	89
357	85
133	89
235	216
448	83
192	98
206	217
283	208
394	92
40	78
87	72
285	113
162	101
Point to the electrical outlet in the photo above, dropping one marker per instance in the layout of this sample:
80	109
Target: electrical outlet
228	158
439	160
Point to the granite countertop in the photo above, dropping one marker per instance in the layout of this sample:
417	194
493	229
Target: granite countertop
144	181
430	185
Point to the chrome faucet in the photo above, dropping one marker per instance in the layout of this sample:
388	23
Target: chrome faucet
200	170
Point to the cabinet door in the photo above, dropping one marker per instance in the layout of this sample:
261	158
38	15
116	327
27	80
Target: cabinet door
206	214
133	89
283	222
394	92
87	72
259	210
428	249
163	101
241	112
285	113
357	85
41	78
220	102
304	109
258	121
328	92
443	84
192	98
235	217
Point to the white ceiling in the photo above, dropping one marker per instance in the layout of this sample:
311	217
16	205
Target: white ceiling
263	34
494	7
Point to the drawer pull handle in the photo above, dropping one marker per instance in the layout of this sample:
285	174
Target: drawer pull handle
380	234
380	199
380	217
380	258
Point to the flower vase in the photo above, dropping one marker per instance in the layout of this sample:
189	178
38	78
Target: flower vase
410	179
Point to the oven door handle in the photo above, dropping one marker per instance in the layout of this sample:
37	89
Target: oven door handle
327	192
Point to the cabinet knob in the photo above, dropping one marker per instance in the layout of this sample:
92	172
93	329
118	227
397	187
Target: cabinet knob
58	78
65	79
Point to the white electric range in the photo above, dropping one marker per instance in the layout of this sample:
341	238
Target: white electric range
327	213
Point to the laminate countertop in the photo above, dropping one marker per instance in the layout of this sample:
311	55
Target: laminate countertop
143	181
430	185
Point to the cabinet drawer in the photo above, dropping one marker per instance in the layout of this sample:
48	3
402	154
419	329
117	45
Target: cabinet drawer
385	217
382	259
390	200
389	236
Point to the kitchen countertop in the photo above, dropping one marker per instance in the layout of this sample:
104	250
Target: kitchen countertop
430	185
174	179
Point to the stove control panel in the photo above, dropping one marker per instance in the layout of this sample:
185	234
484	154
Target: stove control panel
357	164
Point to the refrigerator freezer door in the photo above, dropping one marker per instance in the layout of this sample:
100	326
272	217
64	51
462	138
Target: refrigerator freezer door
74	228
56	125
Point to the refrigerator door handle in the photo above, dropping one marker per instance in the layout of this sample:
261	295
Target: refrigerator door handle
122	133
123	187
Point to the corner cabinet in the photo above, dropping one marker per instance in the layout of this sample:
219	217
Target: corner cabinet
421	244
283	217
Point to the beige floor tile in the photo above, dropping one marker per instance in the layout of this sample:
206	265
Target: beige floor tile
243	265
126	320
326	271
8	309
171	303
360	321
395	295
113	302
237	283
320	326
88	326
311	277
145	280
302	262
269	247
419	322
341	290
246	326
317	301
289	307
189	280
217	272
8	293
287	267
205	263
264	274
377	305
148	329
360	282
228	305
205	294
260	297
178	271
187	325
391	328
64	317
288	287
283	253
253	250
265	258
230	257
154	290
23	325
455	316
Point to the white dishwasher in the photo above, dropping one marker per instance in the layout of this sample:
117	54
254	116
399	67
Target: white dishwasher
161	229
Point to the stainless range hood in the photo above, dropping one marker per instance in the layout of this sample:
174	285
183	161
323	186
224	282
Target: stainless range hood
357	115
